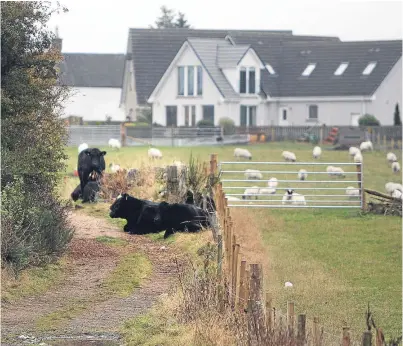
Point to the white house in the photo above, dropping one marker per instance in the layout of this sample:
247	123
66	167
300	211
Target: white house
96	85
260	77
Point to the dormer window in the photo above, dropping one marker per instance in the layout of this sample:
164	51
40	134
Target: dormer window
370	67
308	70
247	80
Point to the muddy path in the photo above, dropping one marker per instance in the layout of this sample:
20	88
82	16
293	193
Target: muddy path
89	263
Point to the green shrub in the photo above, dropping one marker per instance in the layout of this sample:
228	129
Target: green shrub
205	123
228	126
368	120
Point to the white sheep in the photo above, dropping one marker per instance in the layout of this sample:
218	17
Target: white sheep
289	156
395	167
249	192
114	143
335	171
114	168
273	182
302	174
242	153
358	157
391	157
154	153
232	199
253	174
353	150
352	192
390	187
267	191
82	147
397	194
294	198
317	151
366	146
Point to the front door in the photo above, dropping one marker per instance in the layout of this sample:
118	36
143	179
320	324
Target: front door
283	116
354	119
171	116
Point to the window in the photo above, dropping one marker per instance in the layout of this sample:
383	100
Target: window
248	116
199	81
252	80
208	113
313	112
270	69
308	70
171	115
181	80
370	67
340	70
189	115
284	114
242	81
190	81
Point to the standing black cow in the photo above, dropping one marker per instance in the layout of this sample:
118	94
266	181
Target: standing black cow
91	159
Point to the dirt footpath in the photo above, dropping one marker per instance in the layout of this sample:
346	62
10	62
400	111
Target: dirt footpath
90	262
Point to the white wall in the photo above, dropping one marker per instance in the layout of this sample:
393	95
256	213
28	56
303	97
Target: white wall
168	94
94	103
388	94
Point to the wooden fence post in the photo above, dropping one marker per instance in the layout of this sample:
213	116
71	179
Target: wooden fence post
290	317
235	289
367	338
242	285
172	184
301	335
346	338
255	296
360	179
378	138
384	142
269	312
379	337
315	332
219	257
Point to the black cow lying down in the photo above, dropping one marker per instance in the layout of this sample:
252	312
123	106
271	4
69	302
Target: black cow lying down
145	217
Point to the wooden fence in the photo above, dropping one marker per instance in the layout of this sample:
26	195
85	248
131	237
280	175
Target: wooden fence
240	286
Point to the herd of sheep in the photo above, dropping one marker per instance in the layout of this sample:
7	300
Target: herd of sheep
290	196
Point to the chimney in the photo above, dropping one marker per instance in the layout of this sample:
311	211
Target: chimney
57	41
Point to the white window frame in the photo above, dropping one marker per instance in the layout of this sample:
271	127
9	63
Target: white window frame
341	69
309	113
195	80
247	70
369	68
190	108
309	69
248	107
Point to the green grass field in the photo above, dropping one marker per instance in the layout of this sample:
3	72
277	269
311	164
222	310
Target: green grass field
337	259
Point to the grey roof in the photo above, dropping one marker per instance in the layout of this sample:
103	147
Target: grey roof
92	70
154	49
207	51
229	55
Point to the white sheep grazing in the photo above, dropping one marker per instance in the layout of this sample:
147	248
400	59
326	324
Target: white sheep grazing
302	174
114	143
253	174
82	147
242	153
317	151
249	192
294	198
395	167
335	171
267	191
358	157
273	182
154	153
353	150
390	187
352	192
366	146
114	168
289	156
232	199
391	157
397	194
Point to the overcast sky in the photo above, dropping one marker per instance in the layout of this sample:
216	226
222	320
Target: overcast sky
102	26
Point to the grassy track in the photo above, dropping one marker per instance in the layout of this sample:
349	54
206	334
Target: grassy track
338	260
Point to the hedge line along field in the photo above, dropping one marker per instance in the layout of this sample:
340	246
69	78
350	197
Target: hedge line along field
338	260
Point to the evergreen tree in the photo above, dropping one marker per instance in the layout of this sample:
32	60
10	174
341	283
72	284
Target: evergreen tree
181	22
167	18
397	120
